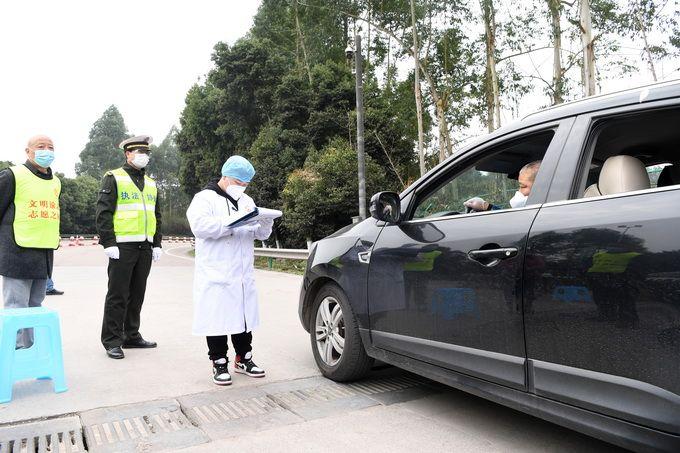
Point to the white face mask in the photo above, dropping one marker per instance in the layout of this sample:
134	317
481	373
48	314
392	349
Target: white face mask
140	160
519	200
235	191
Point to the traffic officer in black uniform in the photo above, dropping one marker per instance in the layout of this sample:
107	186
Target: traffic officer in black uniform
129	227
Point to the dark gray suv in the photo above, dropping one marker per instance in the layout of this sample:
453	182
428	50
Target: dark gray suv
565	305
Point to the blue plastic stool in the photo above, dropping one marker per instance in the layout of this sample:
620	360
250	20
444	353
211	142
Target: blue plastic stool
43	360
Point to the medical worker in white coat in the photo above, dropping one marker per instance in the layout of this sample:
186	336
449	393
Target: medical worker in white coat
225	301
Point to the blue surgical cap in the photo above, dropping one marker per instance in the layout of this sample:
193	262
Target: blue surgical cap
239	168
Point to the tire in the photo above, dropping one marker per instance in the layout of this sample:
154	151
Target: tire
351	362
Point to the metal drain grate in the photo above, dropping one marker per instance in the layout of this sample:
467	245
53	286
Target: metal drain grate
136	427
390	384
233	410
321	394
57	435
140	427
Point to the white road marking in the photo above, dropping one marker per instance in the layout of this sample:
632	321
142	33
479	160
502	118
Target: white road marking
179	247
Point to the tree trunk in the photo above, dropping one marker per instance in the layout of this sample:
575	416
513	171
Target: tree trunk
301	40
493	103
441	104
418	93
588	72
444	138
555	7
368	41
643	30
388	84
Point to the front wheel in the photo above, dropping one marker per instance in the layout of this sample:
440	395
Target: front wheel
334	333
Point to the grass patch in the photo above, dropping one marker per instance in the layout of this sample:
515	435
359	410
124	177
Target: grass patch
281	265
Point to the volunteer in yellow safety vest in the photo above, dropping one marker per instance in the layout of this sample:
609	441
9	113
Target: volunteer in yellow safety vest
129	226
29	229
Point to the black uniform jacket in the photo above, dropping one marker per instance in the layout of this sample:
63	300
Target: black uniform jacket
106	206
15	261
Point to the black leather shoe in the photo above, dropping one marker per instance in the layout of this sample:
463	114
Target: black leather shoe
53	292
141	343
115	353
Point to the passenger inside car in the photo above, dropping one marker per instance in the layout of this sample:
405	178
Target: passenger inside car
506	172
526	178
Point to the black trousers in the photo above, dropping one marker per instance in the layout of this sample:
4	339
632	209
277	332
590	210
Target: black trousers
127	285
218	346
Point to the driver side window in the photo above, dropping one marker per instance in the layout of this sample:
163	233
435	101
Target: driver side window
496	188
492	180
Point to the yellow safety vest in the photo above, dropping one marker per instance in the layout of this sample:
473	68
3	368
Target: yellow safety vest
36	217
135	216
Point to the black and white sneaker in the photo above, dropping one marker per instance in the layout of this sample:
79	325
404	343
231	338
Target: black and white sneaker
245	365
221	374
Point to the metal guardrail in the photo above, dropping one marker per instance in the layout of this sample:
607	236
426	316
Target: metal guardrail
291	254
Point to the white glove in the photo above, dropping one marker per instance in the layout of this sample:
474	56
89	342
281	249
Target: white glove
252	227
112	252
267	223
477	204
157	253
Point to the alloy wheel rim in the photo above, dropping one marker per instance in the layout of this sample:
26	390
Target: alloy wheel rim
329	331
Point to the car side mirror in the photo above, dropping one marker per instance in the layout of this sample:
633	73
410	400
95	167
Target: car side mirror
386	206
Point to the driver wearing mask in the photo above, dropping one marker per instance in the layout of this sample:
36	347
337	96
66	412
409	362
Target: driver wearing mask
526	178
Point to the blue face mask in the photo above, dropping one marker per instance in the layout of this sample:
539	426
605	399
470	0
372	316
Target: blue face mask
44	157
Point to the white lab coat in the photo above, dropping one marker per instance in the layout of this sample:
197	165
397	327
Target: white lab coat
225	300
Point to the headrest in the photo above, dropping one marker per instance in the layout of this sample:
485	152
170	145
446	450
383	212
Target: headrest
622	174
592	191
669	176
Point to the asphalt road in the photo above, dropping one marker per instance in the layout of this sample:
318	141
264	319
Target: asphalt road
430	418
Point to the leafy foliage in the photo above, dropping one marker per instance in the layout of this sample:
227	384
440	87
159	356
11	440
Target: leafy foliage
321	197
164	167
224	115
101	153
78	204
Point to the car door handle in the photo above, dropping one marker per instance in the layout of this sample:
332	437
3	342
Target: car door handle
364	257
491	257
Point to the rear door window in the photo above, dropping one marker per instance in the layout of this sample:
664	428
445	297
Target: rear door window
639	151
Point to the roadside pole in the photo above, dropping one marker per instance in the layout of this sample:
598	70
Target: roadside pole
358	62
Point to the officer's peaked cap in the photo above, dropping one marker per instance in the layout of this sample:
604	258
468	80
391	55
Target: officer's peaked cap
137	142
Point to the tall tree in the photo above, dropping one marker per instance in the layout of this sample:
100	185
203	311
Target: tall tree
224	115
646	22
308	31
588	48
555	8
164	167
493	102
417	90
164	163
101	153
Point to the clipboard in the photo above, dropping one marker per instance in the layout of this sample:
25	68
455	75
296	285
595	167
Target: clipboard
255	215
